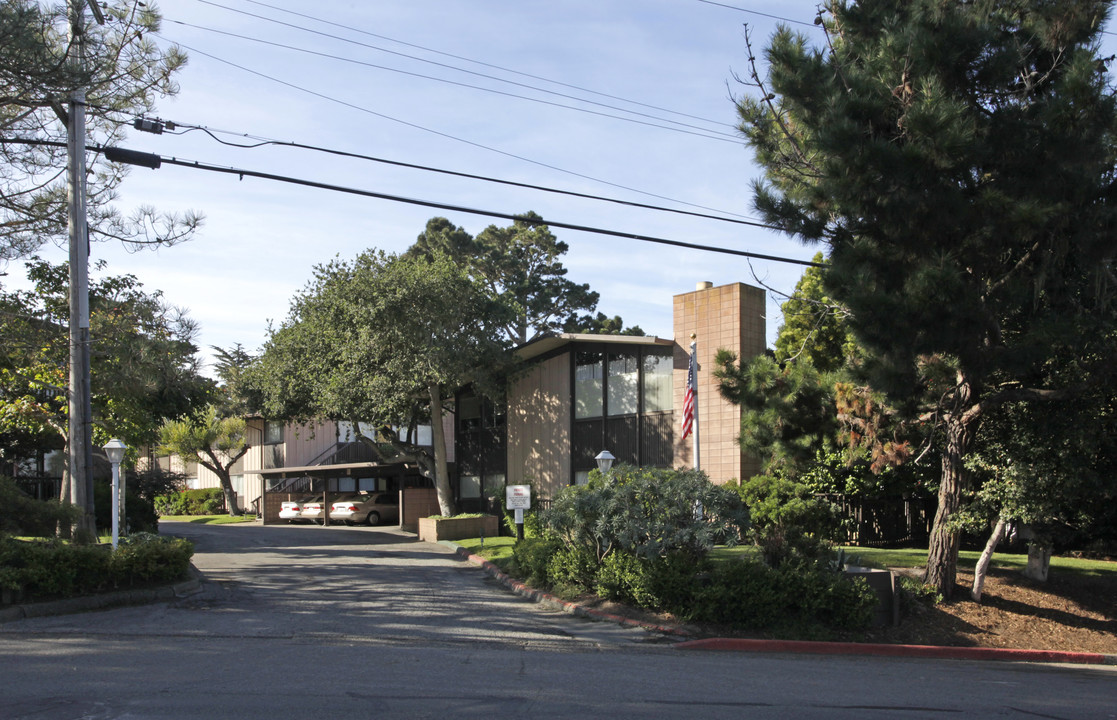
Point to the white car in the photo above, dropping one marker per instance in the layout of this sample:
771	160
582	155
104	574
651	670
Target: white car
291	511
312	510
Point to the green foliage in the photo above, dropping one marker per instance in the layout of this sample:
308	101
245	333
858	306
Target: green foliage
383	340
647	512
814	329
125	72
24	515
205	501
531	557
518	266
788	414
787	520
43	570
572	569
915	594
144	370
956	161
796	596
661	583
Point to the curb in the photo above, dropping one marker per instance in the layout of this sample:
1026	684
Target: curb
103	601
912	651
790	646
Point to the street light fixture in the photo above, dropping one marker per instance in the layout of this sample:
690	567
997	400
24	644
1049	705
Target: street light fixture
114	449
604	461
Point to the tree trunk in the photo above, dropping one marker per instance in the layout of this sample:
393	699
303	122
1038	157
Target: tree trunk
942	552
986	556
230	496
446	503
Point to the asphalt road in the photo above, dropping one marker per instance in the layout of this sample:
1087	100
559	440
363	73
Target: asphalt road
307	622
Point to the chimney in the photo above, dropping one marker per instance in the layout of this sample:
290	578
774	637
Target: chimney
704	285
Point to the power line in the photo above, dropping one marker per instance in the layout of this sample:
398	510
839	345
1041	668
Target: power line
439	133
463	58
757	12
471	176
152	160
695	130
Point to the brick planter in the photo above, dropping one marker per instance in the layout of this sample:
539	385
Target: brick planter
435	529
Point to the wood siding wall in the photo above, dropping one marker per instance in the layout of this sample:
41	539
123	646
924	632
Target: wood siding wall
539	414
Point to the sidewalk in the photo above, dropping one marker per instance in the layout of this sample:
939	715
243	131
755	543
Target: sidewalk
789	646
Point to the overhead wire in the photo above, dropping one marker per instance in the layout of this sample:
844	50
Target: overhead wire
261	142
439	133
469	60
694	129
117	154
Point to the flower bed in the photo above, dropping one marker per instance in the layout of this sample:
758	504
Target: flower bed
433	529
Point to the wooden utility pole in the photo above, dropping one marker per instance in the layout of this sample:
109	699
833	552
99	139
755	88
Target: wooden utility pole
80	407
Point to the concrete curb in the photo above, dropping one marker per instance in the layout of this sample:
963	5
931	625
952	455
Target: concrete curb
102	601
791	646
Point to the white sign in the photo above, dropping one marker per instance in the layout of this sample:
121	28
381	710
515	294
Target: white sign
518	496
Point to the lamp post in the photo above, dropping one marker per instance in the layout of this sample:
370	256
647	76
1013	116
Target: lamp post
604	461
114	449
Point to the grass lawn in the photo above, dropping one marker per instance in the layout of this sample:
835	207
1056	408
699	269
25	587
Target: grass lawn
914	557
208	519
497	550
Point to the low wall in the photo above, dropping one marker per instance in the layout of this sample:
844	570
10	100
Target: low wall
435	529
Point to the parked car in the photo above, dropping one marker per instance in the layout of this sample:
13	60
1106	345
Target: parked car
291	511
312	510
370	509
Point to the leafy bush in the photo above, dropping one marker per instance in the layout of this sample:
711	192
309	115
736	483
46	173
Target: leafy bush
662	583
647	512
24	515
530	557
46	569
787	520
754	595
207	501
572	569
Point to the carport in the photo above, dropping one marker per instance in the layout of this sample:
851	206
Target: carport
335	481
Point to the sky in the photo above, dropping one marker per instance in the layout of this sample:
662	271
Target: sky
626	99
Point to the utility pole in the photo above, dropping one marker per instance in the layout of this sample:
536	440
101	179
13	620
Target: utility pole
80	405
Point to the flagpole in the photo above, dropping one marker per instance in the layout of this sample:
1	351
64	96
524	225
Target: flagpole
694	361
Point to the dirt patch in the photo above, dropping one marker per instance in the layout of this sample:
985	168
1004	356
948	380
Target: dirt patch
1071	613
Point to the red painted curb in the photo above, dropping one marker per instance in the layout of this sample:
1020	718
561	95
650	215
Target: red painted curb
916	651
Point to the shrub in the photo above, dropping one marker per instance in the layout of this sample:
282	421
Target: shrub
662	583
46	569
206	501
787	520
530	557
647	512
799	596
24	515
572	569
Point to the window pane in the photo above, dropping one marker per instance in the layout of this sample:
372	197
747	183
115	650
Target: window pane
623	384
588	385
471	486
581	477
658	395
494	485
273	433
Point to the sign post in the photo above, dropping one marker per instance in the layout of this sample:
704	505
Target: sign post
518	498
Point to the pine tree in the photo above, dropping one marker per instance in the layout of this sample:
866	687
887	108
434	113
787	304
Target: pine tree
957	160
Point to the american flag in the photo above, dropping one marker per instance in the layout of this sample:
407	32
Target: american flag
691	390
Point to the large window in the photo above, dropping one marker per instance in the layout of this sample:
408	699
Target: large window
624	384
588	385
658	390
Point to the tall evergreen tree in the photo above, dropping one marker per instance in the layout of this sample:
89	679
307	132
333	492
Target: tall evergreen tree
520	266
958	161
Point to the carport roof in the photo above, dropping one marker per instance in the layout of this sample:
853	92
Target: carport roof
326	470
